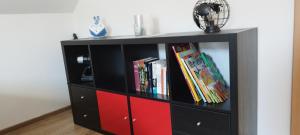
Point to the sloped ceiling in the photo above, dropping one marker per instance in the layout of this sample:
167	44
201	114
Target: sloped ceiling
37	6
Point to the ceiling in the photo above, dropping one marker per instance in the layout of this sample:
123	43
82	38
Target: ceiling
37	6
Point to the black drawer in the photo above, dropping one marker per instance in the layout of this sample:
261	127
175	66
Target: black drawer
84	98
190	121
88	118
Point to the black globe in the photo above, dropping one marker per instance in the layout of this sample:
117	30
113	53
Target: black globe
211	15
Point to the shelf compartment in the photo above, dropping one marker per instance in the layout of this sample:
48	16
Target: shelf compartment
134	52
108	67
73	68
180	91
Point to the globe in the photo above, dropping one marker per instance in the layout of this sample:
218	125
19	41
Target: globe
211	15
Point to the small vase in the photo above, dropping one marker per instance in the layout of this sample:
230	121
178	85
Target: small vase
138	25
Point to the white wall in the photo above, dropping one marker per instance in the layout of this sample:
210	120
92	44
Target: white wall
32	76
36	6
274	19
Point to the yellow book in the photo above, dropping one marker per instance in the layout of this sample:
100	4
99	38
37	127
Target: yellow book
187	78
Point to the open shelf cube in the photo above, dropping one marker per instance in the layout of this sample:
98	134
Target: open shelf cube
219	51
109	67
134	52
75	69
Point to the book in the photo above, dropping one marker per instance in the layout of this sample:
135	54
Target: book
180	50
154	77
164	81
199	92
159	85
136	74
212	68
192	61
140	74
148	72
159	77
208	81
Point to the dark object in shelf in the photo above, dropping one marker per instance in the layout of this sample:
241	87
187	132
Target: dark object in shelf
86	75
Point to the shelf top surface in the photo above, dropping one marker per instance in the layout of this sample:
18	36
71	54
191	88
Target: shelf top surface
159	38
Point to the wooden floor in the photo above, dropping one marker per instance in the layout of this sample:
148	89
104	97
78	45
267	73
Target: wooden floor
59	124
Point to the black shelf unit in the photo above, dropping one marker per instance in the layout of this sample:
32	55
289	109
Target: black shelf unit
113	72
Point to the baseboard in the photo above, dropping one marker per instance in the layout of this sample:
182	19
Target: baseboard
28	122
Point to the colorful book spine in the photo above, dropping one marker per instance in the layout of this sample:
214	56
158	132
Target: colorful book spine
148	73
154	77
186	76
193	80
164	78
150	76
213	69
159	85
136	75
190	61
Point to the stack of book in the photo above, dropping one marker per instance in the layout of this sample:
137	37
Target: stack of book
203	78
150	76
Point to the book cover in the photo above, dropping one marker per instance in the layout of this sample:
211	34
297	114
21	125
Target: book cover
143	83
136	75
211	88
192	61
164	73
176	51
158	79
154	77
158	86
142	75
214	70
148	72
199	92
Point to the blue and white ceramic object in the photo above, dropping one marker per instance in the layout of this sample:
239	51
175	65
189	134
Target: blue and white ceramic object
97	29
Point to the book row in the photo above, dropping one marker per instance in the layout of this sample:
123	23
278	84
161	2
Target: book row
150	76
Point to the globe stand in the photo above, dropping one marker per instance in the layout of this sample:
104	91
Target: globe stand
212	29
210	26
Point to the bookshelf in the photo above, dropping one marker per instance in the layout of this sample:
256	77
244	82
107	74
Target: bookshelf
112	69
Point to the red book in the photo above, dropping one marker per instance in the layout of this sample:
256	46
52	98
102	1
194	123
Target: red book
136	74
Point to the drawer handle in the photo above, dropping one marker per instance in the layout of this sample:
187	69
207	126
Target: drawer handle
198	124
125	118
133	120
82	97
85	115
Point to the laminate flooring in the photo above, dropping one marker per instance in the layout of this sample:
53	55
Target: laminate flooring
59	124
